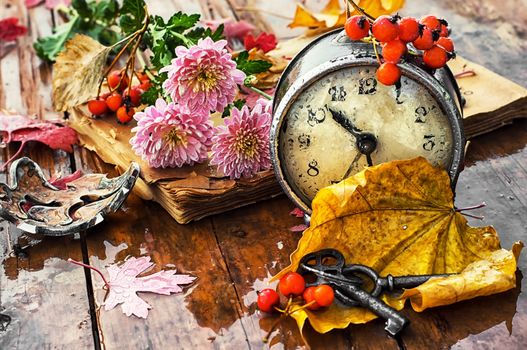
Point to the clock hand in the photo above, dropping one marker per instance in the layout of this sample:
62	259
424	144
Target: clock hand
340	118
352	165
366	142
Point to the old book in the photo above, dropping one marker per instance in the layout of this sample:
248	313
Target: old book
188	193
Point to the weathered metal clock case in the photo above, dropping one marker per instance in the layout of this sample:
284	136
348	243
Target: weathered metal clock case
334	51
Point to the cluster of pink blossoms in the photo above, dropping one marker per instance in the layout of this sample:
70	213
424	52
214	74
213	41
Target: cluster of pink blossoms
202	79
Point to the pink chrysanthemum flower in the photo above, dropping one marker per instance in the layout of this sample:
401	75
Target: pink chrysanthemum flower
241	146
169	136
203	78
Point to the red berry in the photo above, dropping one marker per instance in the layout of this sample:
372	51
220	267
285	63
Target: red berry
292	283
385	28
309	296
408	29
97	107
432	22
392	51
425	40
145	85
115	82
357	27
388	73
324	295
446	43
114	101
135	95
444	32
142	76
436	57
267	300
125	114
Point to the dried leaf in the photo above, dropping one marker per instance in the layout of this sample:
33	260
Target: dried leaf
124	285
10	29
334	16
399	218
78	71
23	129
264	41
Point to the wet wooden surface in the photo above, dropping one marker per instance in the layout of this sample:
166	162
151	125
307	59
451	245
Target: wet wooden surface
45	301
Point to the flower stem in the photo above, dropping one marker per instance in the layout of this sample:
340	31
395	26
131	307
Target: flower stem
188	43
91	268
260	92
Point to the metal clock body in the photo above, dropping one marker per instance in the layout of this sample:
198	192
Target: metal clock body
331	118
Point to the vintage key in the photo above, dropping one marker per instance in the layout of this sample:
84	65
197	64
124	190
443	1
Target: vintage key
388	283
348	288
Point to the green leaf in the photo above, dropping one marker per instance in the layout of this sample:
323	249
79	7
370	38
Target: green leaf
179	22
82	8
150	96
238	104
198	33
250	67
48	48
106	11
133	15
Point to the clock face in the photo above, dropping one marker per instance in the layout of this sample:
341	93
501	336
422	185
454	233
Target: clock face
347	110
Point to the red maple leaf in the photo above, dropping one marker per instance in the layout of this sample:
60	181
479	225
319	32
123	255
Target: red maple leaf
264	41
23	129
62	182
123	284
10	29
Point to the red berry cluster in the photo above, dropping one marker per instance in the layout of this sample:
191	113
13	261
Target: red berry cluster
122	98
430	34
294	285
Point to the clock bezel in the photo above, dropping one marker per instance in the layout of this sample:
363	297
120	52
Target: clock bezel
411	71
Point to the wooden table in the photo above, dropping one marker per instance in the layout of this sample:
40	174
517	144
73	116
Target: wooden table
47	303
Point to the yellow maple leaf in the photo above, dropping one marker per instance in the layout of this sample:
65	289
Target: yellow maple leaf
333	15
399	218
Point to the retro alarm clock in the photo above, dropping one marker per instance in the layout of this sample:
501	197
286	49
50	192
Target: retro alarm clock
331	118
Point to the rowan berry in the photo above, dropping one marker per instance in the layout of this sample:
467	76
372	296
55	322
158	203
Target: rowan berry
446	43
392	51
385	28
267	300
425	40
431	22
97	107
125	114
324	295
292	284
409	29
117	80
357	27
309	297
135	95
114	101
388	73
436	57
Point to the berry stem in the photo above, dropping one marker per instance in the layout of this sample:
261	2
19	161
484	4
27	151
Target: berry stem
360	10
91	268
375	50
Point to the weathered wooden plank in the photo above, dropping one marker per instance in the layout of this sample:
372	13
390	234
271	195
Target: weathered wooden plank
206	316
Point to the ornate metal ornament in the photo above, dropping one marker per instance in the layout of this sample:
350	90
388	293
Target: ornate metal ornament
36	206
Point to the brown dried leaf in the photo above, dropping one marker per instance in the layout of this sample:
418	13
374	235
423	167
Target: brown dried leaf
399	218
77	71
